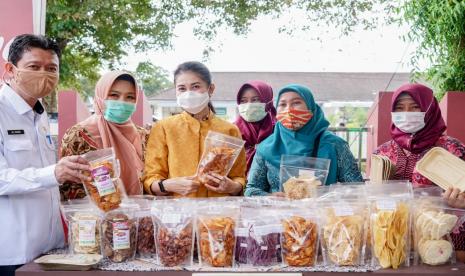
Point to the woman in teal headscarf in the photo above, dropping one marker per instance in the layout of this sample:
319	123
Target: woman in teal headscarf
301	127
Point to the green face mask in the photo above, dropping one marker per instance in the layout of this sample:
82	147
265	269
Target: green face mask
252	112
118	111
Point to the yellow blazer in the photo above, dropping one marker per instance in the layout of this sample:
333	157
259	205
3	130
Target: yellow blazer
176	144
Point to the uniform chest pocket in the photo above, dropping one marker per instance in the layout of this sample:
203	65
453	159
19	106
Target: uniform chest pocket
18	145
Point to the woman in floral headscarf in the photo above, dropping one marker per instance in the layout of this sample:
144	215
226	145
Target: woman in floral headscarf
418	127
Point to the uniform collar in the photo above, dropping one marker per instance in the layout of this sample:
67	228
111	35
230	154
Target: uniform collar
18	103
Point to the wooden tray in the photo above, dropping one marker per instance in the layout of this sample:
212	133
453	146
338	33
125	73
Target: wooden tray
443	168
79	262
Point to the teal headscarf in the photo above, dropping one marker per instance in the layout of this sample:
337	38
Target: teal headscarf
284	141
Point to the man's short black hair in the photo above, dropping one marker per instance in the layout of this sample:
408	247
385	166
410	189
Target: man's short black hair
25	42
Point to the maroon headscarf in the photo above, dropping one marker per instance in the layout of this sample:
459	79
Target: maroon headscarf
427	137
254	133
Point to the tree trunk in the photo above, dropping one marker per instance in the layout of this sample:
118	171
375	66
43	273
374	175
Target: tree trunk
50	102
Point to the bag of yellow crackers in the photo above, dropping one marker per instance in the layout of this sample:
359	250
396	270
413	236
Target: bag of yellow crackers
344	220
390	222
433	224
301	175
83	220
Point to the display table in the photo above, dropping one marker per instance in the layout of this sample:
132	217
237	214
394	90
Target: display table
33	269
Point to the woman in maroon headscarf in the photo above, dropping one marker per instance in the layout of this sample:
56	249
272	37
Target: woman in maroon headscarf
417	126
257	115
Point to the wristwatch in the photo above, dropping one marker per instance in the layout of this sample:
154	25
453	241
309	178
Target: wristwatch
161	186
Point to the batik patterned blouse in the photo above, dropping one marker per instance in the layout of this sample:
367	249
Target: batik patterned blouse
77	141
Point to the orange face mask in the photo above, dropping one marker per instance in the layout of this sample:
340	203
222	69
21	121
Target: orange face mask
36	84
294	119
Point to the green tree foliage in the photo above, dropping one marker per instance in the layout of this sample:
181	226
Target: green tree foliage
152	78
97	34
93	34
351	117
439	28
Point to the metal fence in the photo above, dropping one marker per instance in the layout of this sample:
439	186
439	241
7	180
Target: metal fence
357	140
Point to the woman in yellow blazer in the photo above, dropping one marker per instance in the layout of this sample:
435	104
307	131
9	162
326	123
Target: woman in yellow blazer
176	144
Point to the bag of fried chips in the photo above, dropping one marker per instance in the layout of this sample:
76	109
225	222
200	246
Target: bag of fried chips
216	232
344	225
219	154
299	240
434	224
390	222
300	175
106	190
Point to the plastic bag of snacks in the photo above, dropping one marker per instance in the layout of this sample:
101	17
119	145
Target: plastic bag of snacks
344	225
219	154
432	191
258	236
299	241
174	238
243	229
145	230
84	221
300	175
390	223
433	224
119	234
216	236
106	190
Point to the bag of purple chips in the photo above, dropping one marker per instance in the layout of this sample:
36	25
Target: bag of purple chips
242	238
264	246
258	238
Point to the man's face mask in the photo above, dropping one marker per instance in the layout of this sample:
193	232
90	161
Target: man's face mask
35	84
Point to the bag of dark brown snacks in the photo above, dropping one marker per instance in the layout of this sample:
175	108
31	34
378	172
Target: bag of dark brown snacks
174	239
119	234
145	231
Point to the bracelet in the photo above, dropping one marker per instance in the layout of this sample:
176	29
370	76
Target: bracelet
161	186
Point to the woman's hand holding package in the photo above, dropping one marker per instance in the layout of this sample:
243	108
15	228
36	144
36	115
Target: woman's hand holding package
455	198
182	185
223	184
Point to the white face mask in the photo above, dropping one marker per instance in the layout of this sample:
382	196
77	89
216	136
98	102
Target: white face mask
252	112
408	122
193	102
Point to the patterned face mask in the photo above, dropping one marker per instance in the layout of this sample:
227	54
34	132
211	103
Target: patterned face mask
294	119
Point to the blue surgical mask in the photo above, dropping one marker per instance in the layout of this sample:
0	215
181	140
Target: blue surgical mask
118	112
